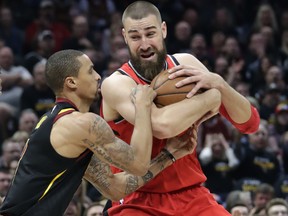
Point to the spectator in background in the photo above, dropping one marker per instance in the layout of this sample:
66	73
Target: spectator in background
10	33
180	41
223	21
277	206
27	120
14	78
271	98
281	187
46	20
5	180
44	46
198	48
80	38
217	42
255	160
262	195
73	208
21	137
236	198
38	96
279	121
95	209
191	16
11	150
283	52
239	209
218	161
265	17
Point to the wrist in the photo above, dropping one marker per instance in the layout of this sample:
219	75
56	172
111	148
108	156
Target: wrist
169	155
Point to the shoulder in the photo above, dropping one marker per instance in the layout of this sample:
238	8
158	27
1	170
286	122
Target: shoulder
188	59
115	81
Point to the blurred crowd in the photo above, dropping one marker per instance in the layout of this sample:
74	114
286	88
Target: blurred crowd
244	41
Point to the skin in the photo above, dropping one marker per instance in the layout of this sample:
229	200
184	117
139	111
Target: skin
278	210
90	131
144	38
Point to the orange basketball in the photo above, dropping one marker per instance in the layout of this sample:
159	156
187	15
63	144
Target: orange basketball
167	92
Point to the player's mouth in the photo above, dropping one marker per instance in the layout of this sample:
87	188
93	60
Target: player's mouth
147	56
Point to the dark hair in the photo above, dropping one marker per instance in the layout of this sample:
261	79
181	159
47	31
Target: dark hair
141	9
61	65
264	188
276	201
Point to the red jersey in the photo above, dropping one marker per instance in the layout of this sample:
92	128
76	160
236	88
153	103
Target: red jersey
186	172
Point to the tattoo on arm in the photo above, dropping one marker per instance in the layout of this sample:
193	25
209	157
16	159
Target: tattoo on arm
133	181
97	173
120	154
147	177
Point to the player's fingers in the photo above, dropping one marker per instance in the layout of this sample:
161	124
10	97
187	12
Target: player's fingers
188	80
183	72
180	67
193	91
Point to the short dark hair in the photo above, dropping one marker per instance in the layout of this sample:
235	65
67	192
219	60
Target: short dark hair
276	201
61	65
141	9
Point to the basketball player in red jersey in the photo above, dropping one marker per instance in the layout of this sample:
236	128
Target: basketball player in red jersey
178	189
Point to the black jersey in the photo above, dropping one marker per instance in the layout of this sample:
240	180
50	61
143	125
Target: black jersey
45	181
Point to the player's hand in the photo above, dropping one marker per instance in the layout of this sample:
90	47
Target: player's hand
203	78
143	95
183	145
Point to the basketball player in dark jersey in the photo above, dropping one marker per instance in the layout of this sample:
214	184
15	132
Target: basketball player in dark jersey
60	148
178	189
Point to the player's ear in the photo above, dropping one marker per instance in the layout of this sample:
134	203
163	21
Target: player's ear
164	29
124	36
71	82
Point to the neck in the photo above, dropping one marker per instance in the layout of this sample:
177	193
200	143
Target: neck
82	105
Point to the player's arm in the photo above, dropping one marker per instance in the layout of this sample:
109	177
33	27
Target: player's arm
168	121
235	107
117	186
80	131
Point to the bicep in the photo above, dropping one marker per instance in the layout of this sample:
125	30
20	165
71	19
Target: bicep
106	146
118	99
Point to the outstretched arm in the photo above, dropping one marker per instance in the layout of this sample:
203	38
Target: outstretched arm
235	107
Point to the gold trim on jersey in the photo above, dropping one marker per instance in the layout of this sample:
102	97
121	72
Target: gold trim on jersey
41	121
65	110
51	183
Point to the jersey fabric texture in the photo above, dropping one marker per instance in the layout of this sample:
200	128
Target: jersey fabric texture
45	181
176	190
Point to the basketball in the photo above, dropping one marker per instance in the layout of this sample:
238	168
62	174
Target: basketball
167	92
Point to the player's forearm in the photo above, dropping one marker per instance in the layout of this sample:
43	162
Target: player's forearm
237	106
141	140
119	185
132	182
173	119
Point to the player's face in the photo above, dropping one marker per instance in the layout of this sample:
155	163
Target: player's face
145	40
88	79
